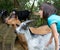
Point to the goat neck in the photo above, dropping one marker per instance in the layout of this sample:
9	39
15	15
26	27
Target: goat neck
28	35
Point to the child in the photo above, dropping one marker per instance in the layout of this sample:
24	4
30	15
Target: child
48	12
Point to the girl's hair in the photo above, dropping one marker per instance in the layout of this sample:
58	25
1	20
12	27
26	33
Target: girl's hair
48	9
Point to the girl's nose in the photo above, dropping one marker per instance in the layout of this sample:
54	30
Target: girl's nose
41	13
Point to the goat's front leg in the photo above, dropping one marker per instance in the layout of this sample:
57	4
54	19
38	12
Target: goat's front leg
23	41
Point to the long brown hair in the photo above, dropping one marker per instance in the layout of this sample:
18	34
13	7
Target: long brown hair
48	9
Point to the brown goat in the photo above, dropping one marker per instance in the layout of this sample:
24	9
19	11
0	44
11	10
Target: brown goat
21	38
12	21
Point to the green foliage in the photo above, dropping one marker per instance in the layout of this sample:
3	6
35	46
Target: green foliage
22	4
6	4
57	5
38	22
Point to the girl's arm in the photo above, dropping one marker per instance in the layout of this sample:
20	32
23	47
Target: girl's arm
50	41
55	35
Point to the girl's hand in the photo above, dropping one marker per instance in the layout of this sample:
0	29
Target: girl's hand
50	41
55	35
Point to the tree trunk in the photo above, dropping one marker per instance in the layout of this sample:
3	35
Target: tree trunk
16	4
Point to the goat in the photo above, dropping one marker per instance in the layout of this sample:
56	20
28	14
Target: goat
34	41
22	15
3	15
20	39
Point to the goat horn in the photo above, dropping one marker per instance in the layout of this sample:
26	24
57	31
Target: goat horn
28	21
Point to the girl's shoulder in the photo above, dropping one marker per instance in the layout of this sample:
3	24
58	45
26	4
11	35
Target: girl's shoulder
53	19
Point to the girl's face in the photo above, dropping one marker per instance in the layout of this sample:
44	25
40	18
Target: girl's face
41	13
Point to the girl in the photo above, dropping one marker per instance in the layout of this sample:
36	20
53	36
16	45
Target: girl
48	12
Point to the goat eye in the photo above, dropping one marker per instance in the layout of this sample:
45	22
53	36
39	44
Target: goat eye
17	25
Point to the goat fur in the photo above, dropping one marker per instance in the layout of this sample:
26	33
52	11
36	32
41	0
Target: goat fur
40	30
35	42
